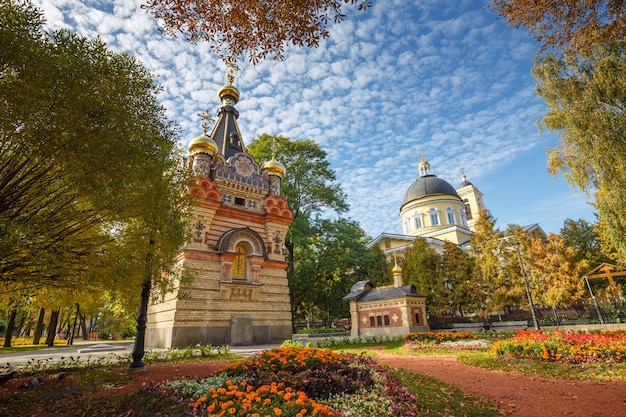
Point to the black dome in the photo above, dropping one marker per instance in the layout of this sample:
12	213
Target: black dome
428	185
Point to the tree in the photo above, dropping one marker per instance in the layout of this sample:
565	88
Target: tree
582	236
259	29
486	247
566	24
556	272
421	267
90	179
336	259
460	291
88	157
310	188
587	100
309	185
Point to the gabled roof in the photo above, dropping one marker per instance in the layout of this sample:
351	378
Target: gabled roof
366	291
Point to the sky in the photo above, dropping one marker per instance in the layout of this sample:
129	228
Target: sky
446	78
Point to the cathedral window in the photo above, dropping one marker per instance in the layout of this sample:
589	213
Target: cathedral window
417	220
450	215
372	321
434	217
463	217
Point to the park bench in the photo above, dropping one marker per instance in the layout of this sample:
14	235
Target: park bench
467	327
508	325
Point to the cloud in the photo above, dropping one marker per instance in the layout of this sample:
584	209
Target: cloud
444	77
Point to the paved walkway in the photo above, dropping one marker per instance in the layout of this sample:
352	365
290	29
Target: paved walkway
92	350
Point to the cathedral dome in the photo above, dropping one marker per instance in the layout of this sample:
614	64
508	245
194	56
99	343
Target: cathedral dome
428	185
203	144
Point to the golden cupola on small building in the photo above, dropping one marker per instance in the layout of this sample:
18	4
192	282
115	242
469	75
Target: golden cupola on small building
432	208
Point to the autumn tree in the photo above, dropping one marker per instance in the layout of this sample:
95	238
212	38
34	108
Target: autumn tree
258	29
556	272
582	236
486	247
566	24
587	100
580	72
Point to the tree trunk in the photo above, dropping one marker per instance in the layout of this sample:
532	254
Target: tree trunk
10	329
52	328
83	326
20	326
70	336
39	326
138	365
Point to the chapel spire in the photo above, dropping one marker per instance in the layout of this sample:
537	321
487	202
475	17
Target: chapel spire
226	132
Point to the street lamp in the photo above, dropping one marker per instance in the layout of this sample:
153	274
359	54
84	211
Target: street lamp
530	298
595	302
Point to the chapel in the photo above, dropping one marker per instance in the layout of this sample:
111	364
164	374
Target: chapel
392	310
238	293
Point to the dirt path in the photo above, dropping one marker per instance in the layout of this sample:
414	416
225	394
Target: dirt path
521	395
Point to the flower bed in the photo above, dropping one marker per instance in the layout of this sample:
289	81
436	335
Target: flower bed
438	337
298	382
565	346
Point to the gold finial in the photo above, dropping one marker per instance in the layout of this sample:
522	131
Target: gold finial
274	147
396	268
232	72
206	119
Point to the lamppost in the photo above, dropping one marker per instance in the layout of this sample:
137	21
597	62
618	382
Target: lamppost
530	298
595	302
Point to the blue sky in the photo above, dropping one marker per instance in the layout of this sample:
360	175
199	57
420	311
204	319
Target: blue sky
444	77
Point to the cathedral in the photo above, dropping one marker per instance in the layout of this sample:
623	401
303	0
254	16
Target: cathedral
434	210
238	294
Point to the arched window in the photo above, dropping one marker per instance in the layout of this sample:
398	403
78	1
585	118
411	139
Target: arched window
405	226
239	268
463	217
433	214
450	215
417	220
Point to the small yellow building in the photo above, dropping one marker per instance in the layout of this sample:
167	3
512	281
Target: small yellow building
392	310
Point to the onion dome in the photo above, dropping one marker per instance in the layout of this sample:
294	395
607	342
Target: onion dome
396	268
274	167
203	144
229	95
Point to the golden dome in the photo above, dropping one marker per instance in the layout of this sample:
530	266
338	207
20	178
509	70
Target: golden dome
203	144
229	90
274	167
